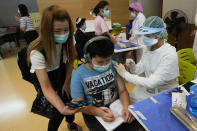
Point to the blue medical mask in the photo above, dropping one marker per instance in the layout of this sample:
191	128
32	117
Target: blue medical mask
84	27
106	13
149	41
61	39
101	68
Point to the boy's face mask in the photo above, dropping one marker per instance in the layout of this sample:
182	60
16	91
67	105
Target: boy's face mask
101	68
100	64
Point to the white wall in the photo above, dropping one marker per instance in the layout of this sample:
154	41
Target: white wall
194	11
151	7
187	6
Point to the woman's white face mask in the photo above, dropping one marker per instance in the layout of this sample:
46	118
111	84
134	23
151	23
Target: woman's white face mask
132	14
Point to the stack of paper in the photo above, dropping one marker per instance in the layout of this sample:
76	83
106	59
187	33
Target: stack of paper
116	108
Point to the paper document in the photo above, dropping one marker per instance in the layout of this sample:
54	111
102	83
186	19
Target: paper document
116	108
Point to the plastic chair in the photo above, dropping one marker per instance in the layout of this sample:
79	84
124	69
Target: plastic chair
187	71
75	64
187	55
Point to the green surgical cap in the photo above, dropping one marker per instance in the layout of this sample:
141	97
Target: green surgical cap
156	22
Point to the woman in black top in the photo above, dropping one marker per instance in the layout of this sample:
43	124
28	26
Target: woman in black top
80	37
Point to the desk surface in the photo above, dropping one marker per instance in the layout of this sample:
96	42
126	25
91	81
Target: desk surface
8	30
154	113
118	49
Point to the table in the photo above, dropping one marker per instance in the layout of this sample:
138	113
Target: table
154	113
121	54
118	49
10	34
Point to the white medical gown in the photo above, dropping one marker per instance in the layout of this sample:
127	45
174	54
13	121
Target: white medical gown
137	23
160	68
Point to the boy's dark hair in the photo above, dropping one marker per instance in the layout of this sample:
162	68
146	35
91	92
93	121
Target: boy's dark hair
101	48
23	10
100	5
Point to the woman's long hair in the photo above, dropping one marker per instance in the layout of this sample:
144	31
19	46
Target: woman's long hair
23	10
46	40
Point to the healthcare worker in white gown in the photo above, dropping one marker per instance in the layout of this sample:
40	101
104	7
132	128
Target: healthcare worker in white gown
136	12
195	39
158	69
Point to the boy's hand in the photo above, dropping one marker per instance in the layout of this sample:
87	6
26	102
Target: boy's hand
127	116
107	115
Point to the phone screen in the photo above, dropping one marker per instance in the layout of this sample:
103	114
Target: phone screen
76	104
188	85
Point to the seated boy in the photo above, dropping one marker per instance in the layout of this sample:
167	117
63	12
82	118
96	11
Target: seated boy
97	83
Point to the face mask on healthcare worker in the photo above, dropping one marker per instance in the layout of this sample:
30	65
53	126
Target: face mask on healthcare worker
84	27
101	68
61	39
106	13
133	15
149	41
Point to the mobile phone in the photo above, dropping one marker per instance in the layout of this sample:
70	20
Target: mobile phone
188	85
76	104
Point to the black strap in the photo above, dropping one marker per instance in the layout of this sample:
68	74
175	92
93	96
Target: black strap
73	126
61	57
61	65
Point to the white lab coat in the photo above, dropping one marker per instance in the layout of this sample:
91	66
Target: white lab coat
195	39
137	23
160	68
